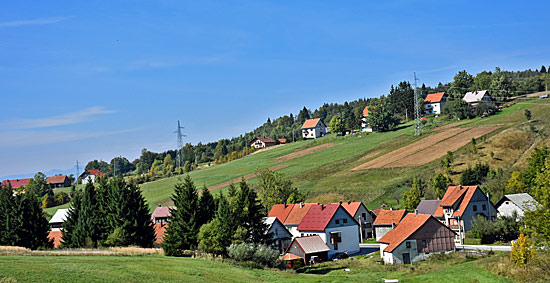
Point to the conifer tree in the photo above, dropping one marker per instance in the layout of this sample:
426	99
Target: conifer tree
207	207
89	218
182	232
249	214
8	217
135	217
33	227
70	234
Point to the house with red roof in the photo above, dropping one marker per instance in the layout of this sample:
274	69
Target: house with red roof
162	214
363	216
291	215
262	142
16	183
313	128
59	181
364	125
336	227
415	238
460	205
90	175
387	220
434	103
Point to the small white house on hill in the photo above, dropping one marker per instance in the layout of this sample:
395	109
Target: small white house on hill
434	103
313	128
475	97
365	127
518	203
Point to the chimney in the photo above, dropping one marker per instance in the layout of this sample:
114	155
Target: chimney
322	206
349	202
391	208
159	205
340	203
301	205
392	224
416	212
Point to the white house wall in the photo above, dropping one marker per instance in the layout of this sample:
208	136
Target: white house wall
507	208
350	239
380	231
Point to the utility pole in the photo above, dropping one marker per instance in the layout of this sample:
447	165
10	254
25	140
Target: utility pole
77	172
180	144
417	122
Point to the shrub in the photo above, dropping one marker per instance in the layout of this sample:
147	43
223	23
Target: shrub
522	252
474	176
258	253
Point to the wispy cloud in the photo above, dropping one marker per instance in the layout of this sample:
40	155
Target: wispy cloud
60	120
34	138
33	22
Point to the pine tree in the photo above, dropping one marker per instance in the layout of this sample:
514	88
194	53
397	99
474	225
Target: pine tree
207	207
8	217
33	227
136	219
182	232
542	69
249	214
70	236
90	217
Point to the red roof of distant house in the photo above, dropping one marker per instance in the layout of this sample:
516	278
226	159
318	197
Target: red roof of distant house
310	123
298	213
94	172
434	97
377	211
351	207
264	139
160	231
318	217
389	217
282	140
410	224
452	196
56	179
162	211
55	236
366	111
280	211
16	183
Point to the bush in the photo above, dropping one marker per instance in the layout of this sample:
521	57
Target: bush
474	176
522	252
258	253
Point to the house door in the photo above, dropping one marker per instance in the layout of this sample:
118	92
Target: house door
406	258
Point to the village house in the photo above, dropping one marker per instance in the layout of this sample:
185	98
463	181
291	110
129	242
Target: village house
336	227
59	218
475	97
363	216
364	125
291	215
90	175
460	205
282	141
428	206
262	142
162	214
387	220
434	102
415	238
313	128
280	237
160	231
16	183
518	203
59	181
311	249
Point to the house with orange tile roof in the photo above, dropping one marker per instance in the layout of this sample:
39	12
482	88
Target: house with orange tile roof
364	125
415	238
336	227
363	216
295	216
387	220
434	103
314	128
59	181
460	205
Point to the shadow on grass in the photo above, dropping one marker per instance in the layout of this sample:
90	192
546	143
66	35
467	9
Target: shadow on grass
319	270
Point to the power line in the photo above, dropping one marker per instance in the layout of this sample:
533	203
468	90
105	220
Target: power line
180	136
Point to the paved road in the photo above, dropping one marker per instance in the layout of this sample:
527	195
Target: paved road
370	246
484	248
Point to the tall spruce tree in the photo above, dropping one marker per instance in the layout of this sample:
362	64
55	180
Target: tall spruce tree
182	232
8	217
249	214
207	207
70	234
33	227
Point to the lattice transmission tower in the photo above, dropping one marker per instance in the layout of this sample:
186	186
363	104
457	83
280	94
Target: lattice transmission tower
418	129
180	136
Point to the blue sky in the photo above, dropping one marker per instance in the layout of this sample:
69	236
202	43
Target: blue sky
82	80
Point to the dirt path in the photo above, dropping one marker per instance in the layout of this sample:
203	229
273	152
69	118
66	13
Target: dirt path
304	152
435	151
405	151
246	177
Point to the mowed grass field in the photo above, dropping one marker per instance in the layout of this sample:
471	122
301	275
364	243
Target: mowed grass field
158	268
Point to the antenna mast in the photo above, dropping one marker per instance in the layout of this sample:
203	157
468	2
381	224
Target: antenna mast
180	136
77	172
417	122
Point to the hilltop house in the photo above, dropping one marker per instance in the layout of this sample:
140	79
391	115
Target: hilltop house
364	125
280	237
428	206
417	236
336	227
387	220
516	202
291	215
262	142
460	205
363	216
16	183
434	103
313	128
162	214
90	175
311	249
475	97
59	181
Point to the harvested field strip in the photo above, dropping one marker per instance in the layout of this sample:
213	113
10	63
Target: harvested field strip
405	151
448	126
246	177
440	149
304	152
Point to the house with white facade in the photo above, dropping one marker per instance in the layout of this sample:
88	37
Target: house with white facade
365	127
313	128
387	220
416	237
279	235
475	97
434	102
363	216
162	214
262	142
336	227
517	203
460	205
90	176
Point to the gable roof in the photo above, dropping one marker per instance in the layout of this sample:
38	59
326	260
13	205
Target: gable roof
60	179
387	217
310	244
456	195
280	211
366	111
16	183
524	201
408	226
162	211
434	97
298	213
60	216
352	207
263	139
475	96
428	206
318	217
377	211
94	172
311	123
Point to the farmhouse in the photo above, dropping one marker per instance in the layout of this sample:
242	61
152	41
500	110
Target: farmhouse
162	214
311	249
387	220
460	205
363	216
428	206
518	203
59	181
313	128
160	231
262	142
280	237
475	97
334	225
364	125
417	236
90	175
434	103
59	218
16	183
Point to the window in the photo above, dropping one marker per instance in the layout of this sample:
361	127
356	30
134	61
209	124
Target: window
368	225
337	221
475	207
424	244
408	245
364	215
484	207
335	238
344	220
276	231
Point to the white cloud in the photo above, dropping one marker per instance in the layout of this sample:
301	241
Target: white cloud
33	22
60	120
